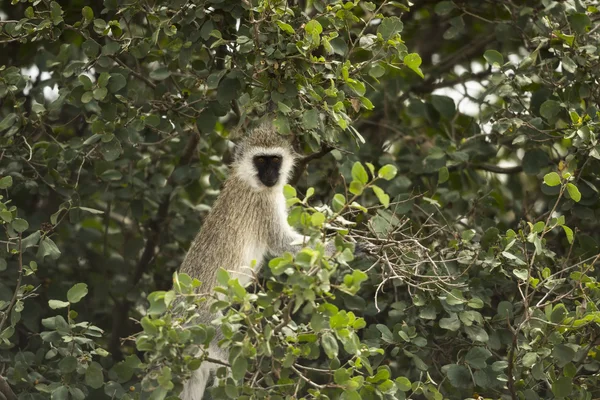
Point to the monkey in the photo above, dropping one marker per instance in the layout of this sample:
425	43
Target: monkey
247	222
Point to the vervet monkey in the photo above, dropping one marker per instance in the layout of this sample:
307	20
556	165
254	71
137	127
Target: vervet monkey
247	221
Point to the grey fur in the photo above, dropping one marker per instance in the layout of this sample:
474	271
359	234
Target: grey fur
247	221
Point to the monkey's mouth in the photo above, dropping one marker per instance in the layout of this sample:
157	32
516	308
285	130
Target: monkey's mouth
268	181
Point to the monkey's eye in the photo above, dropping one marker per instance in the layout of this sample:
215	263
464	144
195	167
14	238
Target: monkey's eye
276	159
260	160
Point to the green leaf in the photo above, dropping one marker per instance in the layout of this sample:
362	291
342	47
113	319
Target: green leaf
160	74
87	97
443	175
239	368
403	384
529	359
87	13
477	333
477	357
562	387
56	13
223	277
444	7
384	198
8	121
19	225
359	173
552	179
56	304
6	215
285	27
330	345
348	394
100	93
338	202
387	172
505	309
91	49
573	192
60	393
534	161
77	292
111	150
116	83
148	326
390	27
386	334
563	354
452	323
475	302
459	376
522	274
67	364
568	64
357	86
317	219
468	234
356	188
76	393
455	297
85	81
413	61
313	27
579	22
289	192
569	233
558	314
284	108
550	109
493	57
282	124
103	79
111	175
444	105
310	119
376	71
48	248
6	182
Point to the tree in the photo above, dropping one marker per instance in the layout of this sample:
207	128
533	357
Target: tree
455	141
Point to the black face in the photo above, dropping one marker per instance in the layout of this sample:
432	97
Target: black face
268	169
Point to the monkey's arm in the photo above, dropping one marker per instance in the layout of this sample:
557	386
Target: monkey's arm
292	241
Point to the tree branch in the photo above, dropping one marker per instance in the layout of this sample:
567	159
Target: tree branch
16	293
303	163
134	72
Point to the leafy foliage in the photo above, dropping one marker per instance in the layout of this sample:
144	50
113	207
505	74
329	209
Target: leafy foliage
454	161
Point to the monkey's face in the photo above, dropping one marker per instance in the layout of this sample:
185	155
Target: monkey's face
264	168
268	168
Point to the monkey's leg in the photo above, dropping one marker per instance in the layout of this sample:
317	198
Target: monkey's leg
195	387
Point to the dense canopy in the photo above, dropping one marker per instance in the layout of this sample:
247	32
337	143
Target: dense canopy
456	142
